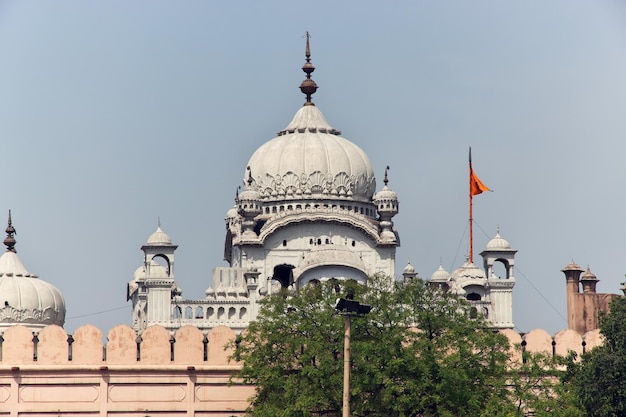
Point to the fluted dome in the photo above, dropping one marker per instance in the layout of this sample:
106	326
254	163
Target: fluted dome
159	238
386	194
25	299
498	243
310	159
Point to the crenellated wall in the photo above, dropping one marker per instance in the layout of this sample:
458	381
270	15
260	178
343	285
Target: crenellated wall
158	374
540	341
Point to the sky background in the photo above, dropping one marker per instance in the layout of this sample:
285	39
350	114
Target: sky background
116	113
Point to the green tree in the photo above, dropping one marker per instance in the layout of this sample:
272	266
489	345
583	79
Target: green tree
599	379
535	386
416	354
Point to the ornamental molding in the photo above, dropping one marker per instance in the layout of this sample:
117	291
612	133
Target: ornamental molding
315	185
27	316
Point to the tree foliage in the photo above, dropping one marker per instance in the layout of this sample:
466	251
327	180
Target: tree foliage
599	379
416	354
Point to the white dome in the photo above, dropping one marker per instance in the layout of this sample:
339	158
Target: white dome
140	273
440	275
232	213
498	243
309	159
386	194
409	269
26	299
468	271
159	238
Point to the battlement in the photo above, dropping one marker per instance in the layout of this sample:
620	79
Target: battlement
155	346
191	347
186	372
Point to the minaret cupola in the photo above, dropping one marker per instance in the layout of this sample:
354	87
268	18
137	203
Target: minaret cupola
387	206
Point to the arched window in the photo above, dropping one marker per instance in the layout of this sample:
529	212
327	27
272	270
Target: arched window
177	313
188	312
199	313
473	296
284	275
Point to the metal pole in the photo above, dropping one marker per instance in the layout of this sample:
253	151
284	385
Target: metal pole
346	367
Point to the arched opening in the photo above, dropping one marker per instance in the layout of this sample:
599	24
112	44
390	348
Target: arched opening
188	312
284	275
164	261
177	313
500	269
199	313
473	296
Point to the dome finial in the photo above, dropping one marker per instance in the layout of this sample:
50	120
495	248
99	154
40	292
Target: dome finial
249	176
308	86
386	180
9	241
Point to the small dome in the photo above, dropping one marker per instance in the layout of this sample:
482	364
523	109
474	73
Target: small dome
159	238
409	269
26	299
309	158
386	194
139	273
572	266
210	292
589	276
468	271
498	243
249	194
440	275
232	213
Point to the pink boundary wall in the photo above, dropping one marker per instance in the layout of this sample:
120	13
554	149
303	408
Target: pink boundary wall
186	374
157	375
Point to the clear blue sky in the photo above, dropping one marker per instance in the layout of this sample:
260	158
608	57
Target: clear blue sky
113	113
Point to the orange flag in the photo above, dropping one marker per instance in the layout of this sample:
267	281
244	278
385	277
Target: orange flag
476	185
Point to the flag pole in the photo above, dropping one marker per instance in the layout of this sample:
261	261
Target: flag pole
471	220
476	187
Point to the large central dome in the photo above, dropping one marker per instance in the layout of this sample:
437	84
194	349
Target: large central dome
310	159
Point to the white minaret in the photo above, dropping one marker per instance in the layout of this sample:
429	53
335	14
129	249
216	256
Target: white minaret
501	288
153	286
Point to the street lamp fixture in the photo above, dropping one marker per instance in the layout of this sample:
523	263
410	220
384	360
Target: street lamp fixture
347	307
